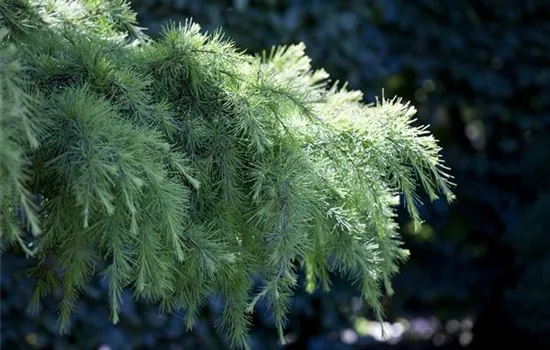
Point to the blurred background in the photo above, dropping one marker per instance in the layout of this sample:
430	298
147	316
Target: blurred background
479	273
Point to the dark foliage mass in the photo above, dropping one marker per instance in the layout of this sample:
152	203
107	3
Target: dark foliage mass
478	73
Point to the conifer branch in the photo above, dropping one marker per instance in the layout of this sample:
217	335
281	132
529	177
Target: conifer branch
181	167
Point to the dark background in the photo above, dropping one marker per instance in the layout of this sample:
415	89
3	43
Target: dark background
479	273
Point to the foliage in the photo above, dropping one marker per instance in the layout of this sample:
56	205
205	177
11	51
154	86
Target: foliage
180	168
478	74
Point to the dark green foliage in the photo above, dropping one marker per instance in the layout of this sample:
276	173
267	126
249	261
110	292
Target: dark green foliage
18	133
180	168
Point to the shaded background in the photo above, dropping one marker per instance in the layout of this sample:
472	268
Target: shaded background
479	273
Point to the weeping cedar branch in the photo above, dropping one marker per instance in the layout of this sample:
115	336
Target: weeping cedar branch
181	167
